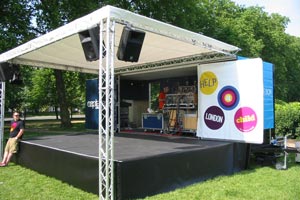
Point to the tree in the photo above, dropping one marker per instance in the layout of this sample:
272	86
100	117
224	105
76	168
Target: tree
15	26
42	92
180	13
15	29
260	34
76	89
292	81
50	15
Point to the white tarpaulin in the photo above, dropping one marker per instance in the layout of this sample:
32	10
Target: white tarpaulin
230	103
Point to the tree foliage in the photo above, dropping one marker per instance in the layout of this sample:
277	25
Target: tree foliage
287	118
15	29
42	91
15	25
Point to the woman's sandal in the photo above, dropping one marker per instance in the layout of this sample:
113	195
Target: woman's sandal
2	164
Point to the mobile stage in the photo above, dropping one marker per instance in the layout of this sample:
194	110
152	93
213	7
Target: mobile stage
119	46
144	164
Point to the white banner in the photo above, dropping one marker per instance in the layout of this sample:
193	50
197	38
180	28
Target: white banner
230	102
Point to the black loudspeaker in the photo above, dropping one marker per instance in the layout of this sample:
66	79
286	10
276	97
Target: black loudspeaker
90	43
130	46
6	71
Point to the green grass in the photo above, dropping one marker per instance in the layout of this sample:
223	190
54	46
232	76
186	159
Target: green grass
17	182
259	183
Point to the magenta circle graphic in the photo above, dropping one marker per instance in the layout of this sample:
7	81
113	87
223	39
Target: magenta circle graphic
245	119
228	97
214	117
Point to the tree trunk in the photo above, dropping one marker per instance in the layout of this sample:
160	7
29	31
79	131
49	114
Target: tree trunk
60	87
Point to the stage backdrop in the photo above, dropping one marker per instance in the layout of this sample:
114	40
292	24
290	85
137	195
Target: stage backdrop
231	101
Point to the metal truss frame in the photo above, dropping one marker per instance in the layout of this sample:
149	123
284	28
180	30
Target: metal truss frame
2	104
177	62
106	109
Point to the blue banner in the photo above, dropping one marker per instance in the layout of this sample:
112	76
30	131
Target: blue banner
92	104
268	95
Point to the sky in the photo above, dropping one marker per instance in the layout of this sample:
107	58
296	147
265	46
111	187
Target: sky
288	8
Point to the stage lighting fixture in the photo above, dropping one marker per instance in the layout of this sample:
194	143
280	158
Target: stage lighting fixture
130	45
90	44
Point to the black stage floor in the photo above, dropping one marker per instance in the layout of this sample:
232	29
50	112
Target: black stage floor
144	164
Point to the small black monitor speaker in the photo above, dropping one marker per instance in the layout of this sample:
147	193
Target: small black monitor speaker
6	71
130	46
90	44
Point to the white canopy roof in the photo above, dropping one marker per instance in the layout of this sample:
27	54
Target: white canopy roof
165	47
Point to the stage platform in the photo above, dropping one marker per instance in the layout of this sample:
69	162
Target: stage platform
145	164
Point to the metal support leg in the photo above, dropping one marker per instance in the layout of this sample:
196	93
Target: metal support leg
2	104
106	111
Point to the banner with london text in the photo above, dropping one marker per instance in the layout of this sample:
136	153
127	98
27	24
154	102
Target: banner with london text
230	101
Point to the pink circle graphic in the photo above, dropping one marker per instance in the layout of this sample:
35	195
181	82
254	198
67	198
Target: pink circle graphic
245	119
